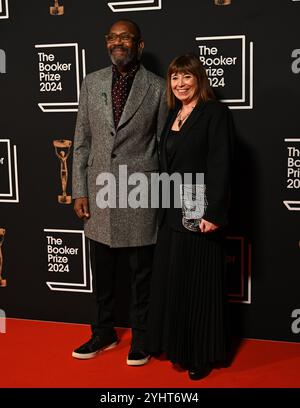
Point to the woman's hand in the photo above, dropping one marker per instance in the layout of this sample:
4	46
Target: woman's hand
206	226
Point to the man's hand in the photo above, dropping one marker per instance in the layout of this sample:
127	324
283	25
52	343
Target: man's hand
206	226
81	207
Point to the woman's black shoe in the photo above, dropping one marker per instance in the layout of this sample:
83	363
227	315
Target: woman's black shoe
199	372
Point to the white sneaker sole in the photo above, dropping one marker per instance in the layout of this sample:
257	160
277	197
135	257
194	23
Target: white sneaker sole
138	362
94	354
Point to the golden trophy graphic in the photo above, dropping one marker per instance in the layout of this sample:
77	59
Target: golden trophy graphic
222	2
56	10
62	151
2	281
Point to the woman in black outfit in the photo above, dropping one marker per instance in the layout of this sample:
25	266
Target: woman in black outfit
187	308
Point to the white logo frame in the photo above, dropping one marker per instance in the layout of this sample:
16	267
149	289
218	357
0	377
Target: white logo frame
241	37
47	107
6	14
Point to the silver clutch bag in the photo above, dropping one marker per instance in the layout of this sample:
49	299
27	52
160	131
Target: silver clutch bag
193	204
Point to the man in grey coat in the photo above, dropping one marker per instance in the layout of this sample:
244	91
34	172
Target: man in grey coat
121	113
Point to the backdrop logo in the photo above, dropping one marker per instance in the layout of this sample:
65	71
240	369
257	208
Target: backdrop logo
222	2
293	174
134	5
295	327
4	9
68	264
9	186
296	63
229	68
56	9
2	321
2	281
59	76
62	151
238	270
2	62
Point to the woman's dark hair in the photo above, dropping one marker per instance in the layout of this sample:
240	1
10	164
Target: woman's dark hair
189	64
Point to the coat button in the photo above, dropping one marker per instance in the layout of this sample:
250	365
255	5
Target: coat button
113	155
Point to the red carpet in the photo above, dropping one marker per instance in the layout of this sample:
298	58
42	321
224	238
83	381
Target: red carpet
38	354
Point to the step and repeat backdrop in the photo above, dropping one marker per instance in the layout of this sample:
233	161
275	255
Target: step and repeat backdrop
251	53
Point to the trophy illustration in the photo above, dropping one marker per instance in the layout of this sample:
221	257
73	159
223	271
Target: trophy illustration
222	2
56	10
62	151
2	281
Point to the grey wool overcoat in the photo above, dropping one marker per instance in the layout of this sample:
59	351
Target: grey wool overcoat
101	148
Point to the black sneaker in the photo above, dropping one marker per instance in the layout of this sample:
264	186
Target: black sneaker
96	344
137	357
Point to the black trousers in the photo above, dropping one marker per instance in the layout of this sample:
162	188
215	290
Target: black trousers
140	263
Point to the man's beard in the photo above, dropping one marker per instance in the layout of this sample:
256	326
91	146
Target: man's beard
122	60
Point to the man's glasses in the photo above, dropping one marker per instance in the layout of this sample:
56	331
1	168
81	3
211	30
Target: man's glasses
124	37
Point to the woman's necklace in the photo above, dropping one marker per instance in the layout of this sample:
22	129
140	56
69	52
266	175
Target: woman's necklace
182	119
